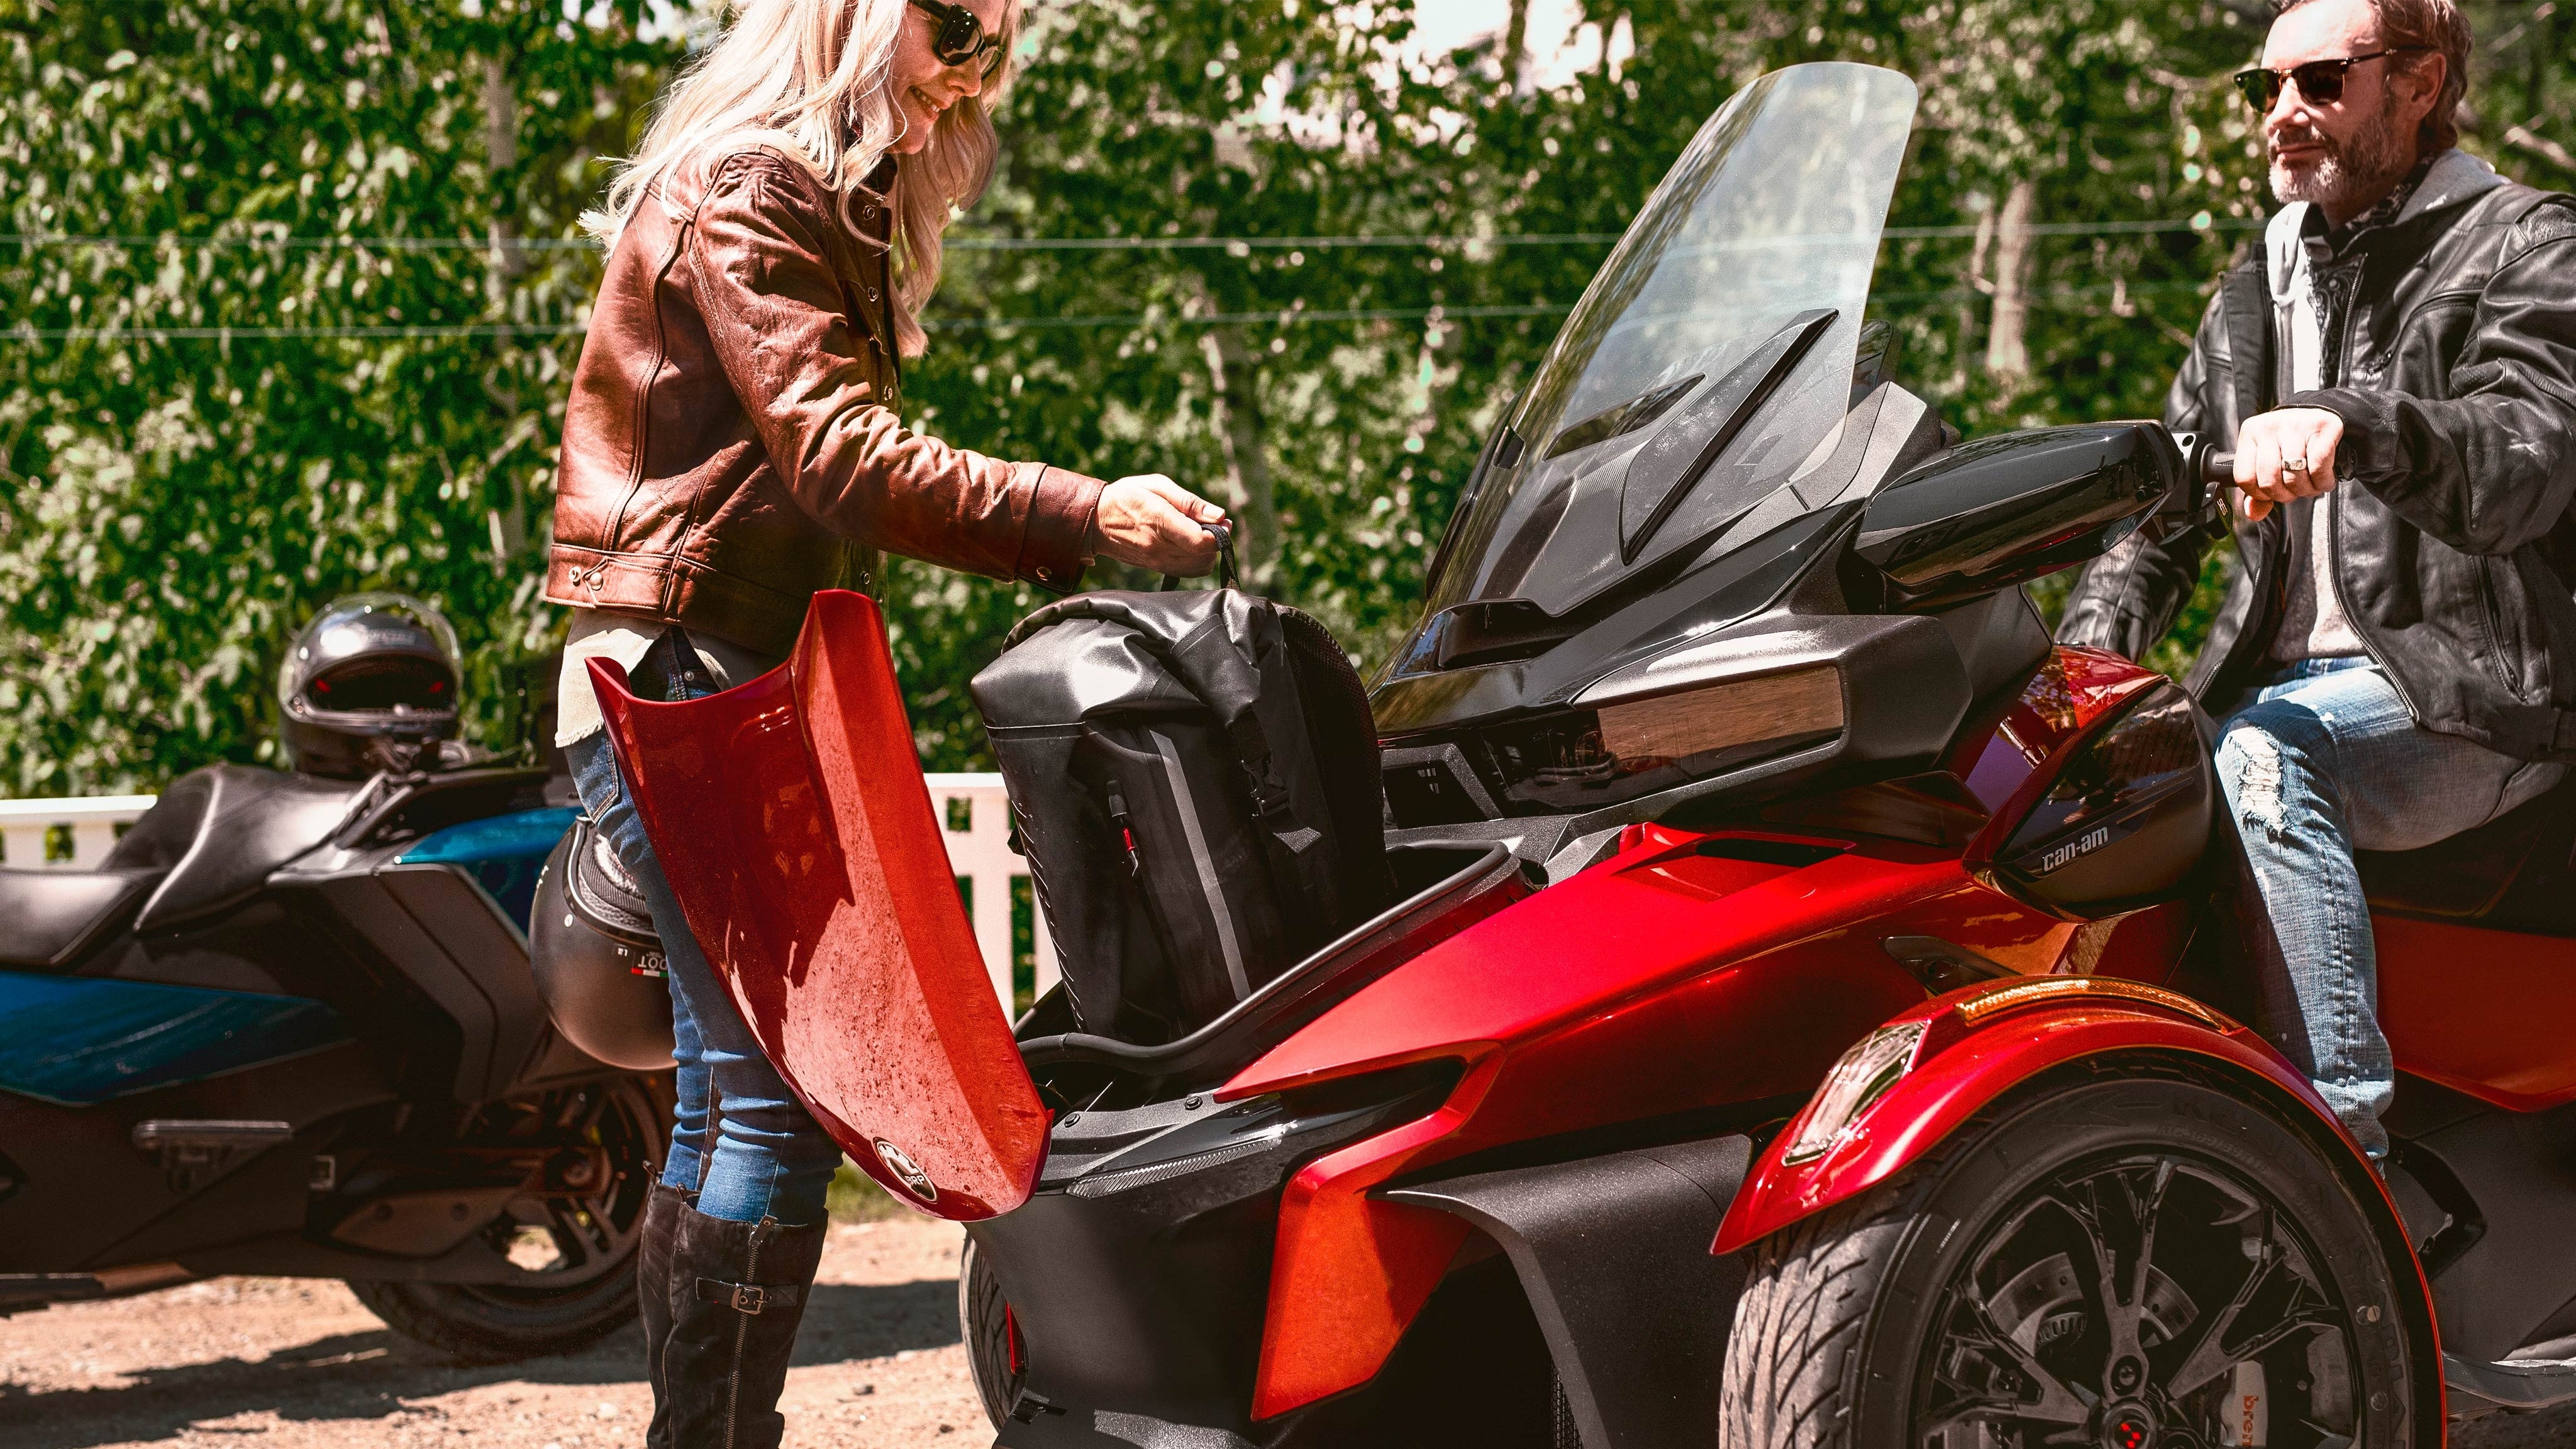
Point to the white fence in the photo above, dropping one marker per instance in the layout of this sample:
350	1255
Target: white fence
972	809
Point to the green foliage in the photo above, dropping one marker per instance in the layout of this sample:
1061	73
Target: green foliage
177	505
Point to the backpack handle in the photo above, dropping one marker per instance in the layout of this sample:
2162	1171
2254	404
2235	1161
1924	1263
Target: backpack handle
1226	573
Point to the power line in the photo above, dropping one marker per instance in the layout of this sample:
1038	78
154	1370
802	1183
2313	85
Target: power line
2203	222
249	334
1272	243
302	243
1278	317
1281	317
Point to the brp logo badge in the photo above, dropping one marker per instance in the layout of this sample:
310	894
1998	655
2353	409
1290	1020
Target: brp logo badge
906	1171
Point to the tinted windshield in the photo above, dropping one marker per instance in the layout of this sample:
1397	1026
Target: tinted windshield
1711	355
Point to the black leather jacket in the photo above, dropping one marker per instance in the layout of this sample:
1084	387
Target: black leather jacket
2452	535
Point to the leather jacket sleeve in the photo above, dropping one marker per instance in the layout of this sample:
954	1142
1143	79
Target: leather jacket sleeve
2127	599
2492	468
778	322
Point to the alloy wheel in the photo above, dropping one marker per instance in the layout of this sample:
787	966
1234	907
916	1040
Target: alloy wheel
2144	1301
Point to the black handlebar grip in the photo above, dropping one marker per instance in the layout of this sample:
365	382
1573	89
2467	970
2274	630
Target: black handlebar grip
2217	468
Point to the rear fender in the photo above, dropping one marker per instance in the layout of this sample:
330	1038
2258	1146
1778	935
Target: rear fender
1983	1041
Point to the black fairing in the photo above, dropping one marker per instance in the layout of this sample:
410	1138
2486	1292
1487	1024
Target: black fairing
1612	1252
2126	819
1139	1270
2003	510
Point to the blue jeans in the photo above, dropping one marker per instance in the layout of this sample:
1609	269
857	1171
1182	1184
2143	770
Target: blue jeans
2320	763
740	1140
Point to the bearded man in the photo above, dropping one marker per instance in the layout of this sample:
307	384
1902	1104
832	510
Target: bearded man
2396	657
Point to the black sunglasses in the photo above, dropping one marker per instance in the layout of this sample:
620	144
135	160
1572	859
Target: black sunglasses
2321	81
958	37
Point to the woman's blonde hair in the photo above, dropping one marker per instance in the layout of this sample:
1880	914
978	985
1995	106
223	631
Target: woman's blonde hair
812	77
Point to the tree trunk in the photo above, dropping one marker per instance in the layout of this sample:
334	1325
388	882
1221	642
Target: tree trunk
1976	283
501	272
1247	458
501	155
1515	44
2007	351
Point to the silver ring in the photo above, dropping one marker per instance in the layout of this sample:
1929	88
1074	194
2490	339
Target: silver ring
2295	465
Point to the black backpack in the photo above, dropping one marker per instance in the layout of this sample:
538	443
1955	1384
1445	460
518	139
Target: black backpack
1194	779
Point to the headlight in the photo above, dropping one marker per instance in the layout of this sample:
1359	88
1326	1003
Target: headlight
1577	760
1862	1076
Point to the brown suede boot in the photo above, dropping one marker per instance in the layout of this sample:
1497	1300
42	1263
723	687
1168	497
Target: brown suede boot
738	1291
653	1301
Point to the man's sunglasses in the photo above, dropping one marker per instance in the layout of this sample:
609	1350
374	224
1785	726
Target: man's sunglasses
2321	81
958	38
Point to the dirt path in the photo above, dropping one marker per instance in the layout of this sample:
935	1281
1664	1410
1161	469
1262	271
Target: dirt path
287	1363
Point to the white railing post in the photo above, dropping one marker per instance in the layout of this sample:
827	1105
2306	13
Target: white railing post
981	853
90	823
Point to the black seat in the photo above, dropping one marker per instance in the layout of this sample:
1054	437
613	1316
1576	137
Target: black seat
51	918
2514	873
219	831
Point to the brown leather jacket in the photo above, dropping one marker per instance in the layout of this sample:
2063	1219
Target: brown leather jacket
732	430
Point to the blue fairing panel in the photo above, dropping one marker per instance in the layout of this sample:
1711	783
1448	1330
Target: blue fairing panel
80	1040
503	854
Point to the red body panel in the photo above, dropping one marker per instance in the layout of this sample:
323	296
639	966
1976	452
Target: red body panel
1657	982
791	818
1350	1272
2481	1012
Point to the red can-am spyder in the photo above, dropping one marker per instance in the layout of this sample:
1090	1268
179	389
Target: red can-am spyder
1810	1021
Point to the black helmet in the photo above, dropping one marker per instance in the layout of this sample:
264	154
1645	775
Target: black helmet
369	682
597	960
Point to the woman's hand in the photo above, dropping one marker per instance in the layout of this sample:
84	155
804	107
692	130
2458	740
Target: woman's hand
1154	523
2286	454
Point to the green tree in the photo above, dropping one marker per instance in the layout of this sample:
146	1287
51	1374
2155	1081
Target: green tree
177	504
180	500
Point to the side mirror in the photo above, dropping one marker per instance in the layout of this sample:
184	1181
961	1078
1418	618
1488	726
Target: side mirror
2000	511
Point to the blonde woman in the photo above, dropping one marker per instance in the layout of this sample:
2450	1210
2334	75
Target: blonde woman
732	445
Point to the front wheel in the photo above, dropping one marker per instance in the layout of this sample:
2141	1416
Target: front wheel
2123	1263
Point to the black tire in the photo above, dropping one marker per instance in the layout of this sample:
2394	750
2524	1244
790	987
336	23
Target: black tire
985	1320
587	1290
1926	1311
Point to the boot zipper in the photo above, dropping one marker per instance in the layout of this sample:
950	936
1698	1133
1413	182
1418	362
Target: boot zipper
742	1330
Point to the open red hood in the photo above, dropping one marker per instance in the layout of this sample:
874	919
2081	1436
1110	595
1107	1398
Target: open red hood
791	818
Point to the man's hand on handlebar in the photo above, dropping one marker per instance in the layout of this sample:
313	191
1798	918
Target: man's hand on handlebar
1154	523
2286	454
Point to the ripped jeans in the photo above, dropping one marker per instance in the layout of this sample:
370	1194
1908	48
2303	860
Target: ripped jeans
2321	762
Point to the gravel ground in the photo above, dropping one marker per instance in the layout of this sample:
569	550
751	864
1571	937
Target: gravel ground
294	1363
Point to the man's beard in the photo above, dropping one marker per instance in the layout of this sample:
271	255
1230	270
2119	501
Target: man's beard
2352	173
